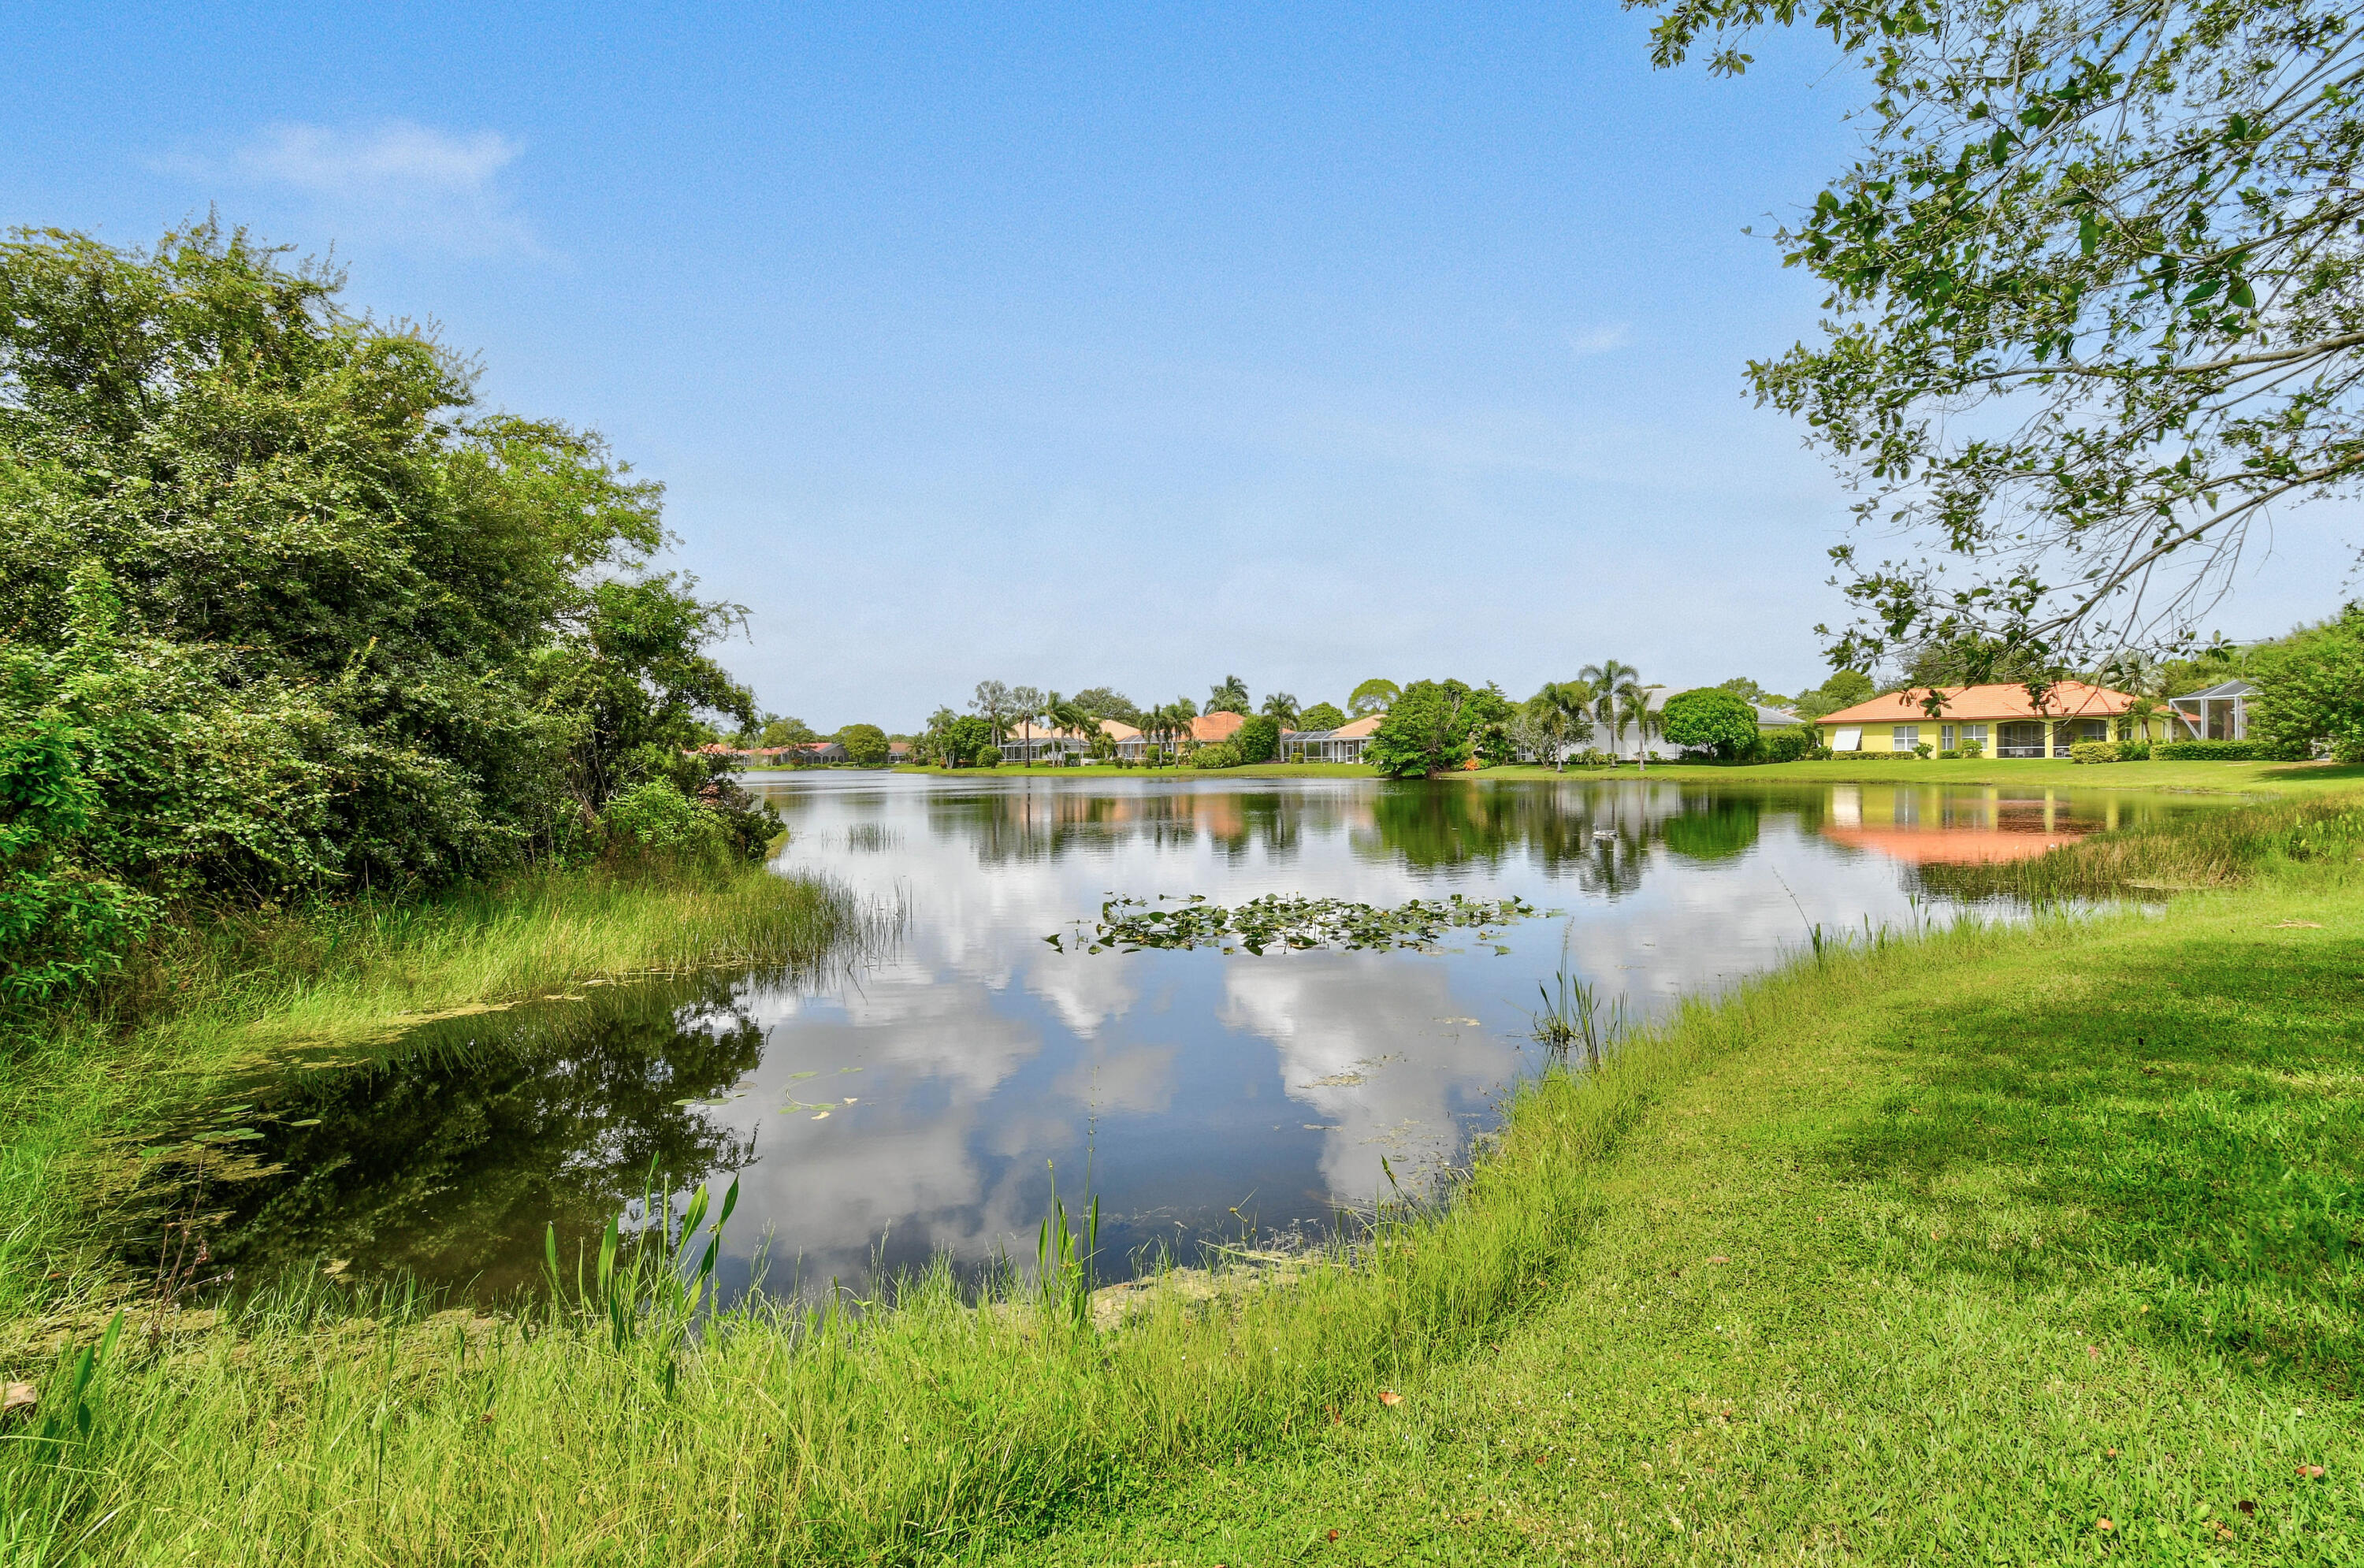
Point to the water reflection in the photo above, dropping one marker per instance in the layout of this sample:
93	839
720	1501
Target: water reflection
914	1108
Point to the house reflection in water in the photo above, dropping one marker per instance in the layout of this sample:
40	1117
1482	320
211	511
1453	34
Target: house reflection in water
1920	824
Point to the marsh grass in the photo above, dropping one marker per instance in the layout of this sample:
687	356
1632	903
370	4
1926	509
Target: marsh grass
231	992
2217	849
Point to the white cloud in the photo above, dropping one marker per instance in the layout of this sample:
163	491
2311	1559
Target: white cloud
396	181
1601	339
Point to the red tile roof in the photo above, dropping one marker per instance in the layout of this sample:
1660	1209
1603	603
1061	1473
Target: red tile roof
2069	699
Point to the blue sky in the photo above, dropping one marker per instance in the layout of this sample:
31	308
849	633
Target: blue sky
1067	347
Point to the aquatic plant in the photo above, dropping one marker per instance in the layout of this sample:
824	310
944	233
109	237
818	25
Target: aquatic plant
1295	922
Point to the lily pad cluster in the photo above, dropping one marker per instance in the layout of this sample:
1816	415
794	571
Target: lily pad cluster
1290	922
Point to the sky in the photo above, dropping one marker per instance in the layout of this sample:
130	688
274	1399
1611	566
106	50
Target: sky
1072	347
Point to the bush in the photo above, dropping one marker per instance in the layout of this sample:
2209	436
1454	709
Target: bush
2309	688
2094	752
1221	754
1788	745
2136	751
1920	751
1713	719
1257	740
1974	749
2229	751
655	818
1949	755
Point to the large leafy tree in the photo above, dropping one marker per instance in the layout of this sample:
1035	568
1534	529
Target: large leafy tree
2096	303
1711	719
1437	726
298	618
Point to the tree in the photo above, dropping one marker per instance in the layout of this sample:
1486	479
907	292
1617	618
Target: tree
1558	713
1844	688
1320	716
1231	696
1608	681
1712	718
1106	702
1748	691
1633	708
1258	740
866	745
998	705
1373	696
1433	726
2096	303
2311	688
778	729
962	741
1281	708
305	620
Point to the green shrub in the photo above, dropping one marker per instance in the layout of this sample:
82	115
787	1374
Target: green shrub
2094	751
2136	750
1788	745
1949	755
1974	749
655	818
2229	751
1920	751
1257	740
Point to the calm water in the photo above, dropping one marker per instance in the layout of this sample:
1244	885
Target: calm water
915	1105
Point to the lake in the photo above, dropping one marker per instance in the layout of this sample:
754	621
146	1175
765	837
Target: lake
923	1100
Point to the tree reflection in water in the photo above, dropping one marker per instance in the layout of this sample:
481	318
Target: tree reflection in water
443	1158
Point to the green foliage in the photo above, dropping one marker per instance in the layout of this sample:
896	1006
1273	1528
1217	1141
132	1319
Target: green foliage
2226	751
2095	752
279	617
1321	716
1231	696
2094	299
1790	745
1374	695
655	818
866	745
781	730
1435	726
1844	688
961	742
1748	691
1257	740
2311	688
1711	719
1106	702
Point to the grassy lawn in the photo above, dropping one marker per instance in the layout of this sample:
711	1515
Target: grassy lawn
1945	1251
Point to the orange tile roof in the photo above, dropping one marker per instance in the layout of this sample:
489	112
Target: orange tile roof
1216	725
1358	728
2006	701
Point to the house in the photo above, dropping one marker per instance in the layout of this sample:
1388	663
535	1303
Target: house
2220	713
2000	718
1031	742
1344	744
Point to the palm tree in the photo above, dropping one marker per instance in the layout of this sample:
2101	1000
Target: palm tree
1633	708
1231	696
1168	722
1557	711
1281	708
1607	682
1064	713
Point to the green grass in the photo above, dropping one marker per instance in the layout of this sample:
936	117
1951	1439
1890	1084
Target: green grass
1941	1251
229	989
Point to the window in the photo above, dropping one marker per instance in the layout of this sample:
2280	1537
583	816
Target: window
1907	736
1946	737
1977	732
1847	737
